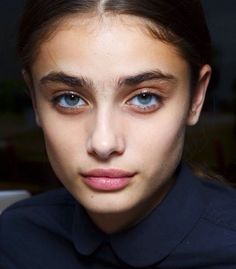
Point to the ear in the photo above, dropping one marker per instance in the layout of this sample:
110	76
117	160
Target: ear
199	93
29	82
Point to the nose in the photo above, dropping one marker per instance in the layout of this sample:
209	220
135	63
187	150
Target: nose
105	139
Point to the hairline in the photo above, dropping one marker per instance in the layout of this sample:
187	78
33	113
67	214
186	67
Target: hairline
47	31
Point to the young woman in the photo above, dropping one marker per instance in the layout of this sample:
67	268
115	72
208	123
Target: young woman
114	83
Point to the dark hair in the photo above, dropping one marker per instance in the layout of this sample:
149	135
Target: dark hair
179	22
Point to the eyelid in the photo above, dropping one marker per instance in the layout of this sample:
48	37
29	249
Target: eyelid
70	110
146	108
146	91
66	92
59	94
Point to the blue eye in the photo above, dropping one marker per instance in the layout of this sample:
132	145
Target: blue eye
145	100
69	100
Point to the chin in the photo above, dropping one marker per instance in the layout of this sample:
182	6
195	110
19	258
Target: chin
105	203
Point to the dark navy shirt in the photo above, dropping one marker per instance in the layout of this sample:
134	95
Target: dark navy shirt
193	227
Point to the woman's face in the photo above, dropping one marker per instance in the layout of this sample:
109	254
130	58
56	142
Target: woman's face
110	97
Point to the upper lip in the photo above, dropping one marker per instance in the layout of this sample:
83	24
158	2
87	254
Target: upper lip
110	173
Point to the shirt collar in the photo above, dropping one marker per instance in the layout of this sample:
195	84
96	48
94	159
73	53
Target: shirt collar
154	238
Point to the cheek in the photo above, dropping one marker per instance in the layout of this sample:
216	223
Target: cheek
63	139
158	137
157	143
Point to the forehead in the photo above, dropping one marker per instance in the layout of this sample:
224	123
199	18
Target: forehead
112	45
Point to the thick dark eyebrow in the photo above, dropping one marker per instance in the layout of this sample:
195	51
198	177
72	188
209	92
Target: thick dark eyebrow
71	81
146	76
82	82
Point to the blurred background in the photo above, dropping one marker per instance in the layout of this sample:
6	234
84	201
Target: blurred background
23	162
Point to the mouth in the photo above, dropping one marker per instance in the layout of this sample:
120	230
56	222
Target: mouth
107	179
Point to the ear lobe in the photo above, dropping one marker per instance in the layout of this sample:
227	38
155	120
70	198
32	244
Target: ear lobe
29	82
199	94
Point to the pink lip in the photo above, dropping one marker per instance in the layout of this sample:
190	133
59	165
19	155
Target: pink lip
107	179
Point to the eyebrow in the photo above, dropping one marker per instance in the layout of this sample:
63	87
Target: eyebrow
71	81
82	82
146	76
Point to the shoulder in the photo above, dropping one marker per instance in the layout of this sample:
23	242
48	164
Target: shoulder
54	198
221	204
35	225
218	199
212	241
49	198
43	209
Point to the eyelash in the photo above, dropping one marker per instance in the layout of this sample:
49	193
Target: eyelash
67	108
75	97
158	100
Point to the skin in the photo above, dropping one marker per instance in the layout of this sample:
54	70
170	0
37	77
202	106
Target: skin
109	127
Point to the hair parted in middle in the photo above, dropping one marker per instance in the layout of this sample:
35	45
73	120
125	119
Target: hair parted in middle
180	23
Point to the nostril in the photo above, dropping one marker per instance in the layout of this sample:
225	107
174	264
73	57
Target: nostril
105	147
101	149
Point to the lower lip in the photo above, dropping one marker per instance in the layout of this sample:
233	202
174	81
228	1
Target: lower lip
106	183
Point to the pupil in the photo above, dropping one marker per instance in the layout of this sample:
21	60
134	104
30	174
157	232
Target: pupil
145	98
72	99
